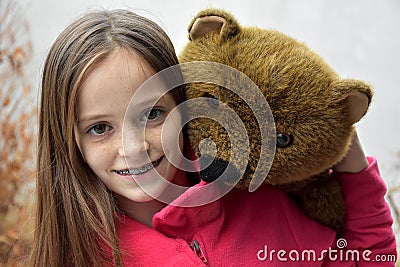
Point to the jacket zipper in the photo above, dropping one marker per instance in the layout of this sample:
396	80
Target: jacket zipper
195	246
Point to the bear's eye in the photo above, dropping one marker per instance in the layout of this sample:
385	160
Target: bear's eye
213	100
284	140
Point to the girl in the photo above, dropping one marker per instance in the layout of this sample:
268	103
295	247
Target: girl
90	212
81	163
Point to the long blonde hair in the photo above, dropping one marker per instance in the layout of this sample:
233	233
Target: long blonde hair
75	211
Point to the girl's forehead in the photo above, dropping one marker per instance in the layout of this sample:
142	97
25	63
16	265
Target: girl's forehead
128	60
120	80
119	67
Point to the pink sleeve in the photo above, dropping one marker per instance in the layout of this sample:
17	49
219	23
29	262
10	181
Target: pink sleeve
368	219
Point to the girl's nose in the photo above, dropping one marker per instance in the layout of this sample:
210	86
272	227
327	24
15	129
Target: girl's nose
133	142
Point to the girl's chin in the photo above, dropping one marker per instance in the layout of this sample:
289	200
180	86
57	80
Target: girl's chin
148	192
138	196
142	198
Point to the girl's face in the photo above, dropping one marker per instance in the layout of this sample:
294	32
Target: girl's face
101	126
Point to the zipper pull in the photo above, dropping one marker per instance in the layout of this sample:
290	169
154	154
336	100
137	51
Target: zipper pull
195	246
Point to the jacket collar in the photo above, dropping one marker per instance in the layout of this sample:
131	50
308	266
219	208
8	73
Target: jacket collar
188	211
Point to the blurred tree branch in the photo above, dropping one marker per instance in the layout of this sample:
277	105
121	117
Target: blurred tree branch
17	120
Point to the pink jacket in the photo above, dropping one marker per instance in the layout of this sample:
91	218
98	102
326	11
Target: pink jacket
264	228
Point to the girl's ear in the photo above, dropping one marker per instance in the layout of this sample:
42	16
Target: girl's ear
357	96
213	21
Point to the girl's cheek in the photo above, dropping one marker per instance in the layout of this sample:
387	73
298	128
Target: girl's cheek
173	146
171	134
154	136
95	155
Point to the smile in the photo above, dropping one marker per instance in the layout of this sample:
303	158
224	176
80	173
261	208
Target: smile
141	170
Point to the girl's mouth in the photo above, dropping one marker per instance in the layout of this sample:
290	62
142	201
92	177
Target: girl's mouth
141	170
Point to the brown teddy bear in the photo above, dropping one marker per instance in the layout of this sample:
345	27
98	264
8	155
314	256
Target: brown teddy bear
313	109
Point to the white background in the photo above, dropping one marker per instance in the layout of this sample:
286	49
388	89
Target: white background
359	39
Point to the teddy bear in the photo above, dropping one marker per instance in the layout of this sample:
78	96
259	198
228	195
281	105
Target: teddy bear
314	111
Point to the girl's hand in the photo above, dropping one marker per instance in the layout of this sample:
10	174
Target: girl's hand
355	160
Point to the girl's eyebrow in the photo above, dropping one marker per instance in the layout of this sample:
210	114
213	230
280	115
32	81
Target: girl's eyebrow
153	100
92	118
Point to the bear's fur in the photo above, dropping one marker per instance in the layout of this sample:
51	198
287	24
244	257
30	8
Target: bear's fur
313	108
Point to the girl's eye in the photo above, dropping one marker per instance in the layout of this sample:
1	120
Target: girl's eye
99	129
152	114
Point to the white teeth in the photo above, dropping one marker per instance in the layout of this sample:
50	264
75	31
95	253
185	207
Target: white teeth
141	170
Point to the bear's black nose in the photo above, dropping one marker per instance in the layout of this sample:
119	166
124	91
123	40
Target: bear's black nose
218	169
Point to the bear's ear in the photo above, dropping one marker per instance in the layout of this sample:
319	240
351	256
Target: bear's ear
357	96
213	20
